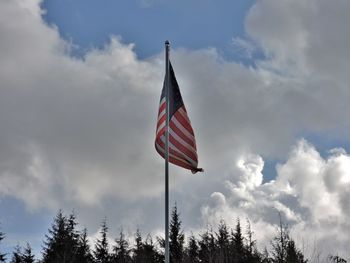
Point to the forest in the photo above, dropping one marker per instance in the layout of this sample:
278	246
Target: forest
65	243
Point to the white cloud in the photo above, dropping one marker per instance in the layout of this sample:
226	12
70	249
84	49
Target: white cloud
301	193
244	46
79	132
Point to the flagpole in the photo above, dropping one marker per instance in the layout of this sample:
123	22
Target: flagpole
167	85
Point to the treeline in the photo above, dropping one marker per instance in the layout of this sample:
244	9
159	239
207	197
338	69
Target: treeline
64	243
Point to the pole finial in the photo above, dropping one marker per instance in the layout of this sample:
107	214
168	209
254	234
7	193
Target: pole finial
167	43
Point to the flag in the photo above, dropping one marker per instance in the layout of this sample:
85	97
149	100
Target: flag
182	143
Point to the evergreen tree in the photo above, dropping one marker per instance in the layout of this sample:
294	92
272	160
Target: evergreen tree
222	243
101	252
73	234
83	252
265	258
60	245
336	259
293	254
147	251
150	253
121	250
280	243
16	255
27	255
252	254
283	247
2	256
207	248
192	253
237	245
176	238
138	249
204	253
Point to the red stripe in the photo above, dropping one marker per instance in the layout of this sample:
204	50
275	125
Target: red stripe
176	162
162	119
183	151
172	151
175	153
161	108
182	135
182	148
184	122
161	132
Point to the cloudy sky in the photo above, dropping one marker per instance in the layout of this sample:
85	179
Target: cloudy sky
266	85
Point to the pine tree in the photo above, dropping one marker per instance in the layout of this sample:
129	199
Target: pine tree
2	256
192	251
222	243
150	254
293	254
237	244
252	254
265	258
16	255
59	246
280	243
176	238
83	252
73	234
27	255
138	249
336	259
121	250
207	248
101	252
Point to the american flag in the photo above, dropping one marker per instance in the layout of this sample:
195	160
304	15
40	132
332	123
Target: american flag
182	143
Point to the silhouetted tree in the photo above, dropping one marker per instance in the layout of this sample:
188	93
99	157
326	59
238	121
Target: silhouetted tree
283	247
61	244
138	249
252	254
265	258
293	254
83	252
2	256
192	254
27	255
237	244
101	252
336	259
16	255
150	254
176	238
121	250
280	243
65	244
222	243
207	248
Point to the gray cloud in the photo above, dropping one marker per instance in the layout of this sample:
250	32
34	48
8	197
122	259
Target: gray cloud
78	133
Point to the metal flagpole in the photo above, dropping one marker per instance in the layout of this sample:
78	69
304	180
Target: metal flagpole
167	86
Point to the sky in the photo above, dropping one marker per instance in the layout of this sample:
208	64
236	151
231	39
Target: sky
266	86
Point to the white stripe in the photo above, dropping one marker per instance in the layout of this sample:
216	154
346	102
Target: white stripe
161	114
181	141
173	147
182	128
163	111
161	126
184	114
